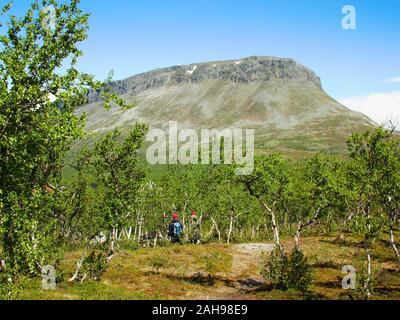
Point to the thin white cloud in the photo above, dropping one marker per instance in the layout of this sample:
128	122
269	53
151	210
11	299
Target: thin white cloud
380	107
396	79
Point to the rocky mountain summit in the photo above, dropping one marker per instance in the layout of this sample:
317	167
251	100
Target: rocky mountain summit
282	100
244	71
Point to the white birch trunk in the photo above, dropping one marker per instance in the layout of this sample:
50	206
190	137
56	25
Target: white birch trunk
230	230
216	228
139	237
302	226
392	241
155	240
275	227
129	233
369	270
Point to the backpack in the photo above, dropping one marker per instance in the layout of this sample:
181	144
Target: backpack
176	228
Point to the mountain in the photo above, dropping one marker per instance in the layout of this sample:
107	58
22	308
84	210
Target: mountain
281	99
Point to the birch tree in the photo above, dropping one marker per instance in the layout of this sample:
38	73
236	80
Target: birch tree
269	184
38	122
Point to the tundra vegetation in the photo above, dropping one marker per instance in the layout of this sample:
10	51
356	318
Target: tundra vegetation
114	208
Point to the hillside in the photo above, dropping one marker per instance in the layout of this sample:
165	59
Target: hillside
282	100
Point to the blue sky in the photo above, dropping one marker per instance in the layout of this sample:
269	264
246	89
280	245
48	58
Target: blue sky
132	36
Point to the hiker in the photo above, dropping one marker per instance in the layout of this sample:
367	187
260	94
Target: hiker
175	229
194	224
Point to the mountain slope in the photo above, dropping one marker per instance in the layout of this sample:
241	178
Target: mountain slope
279	98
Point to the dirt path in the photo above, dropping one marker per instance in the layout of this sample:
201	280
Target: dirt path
246	258
245	274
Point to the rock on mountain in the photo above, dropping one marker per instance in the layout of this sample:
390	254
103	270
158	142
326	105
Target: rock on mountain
282	100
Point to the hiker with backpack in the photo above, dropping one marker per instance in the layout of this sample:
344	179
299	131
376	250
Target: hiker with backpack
194	225
175	229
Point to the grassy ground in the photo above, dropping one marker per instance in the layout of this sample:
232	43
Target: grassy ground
182	272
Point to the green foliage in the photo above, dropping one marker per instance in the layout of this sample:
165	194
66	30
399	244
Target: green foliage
128	245
95	264
373	172
301	273
119	172
287	272
364	287
210	264
214	262
8	290
104	193
374	178
275	268
104	201
38	124
270	179
158	262
109	191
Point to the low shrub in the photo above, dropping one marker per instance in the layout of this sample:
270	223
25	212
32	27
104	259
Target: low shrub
158	262
285	271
